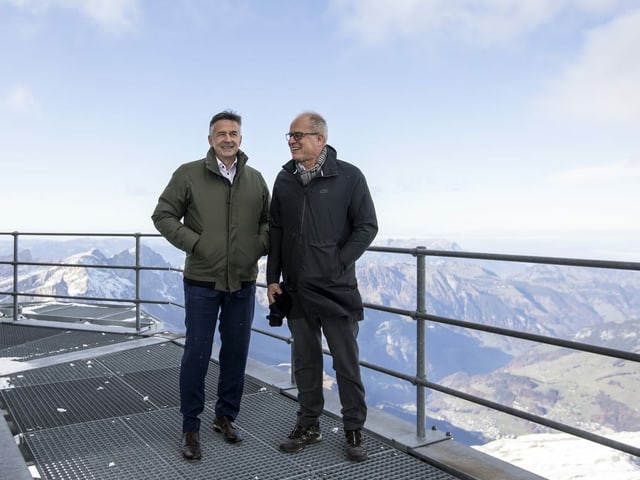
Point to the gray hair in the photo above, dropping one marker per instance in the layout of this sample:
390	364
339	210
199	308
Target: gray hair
318	124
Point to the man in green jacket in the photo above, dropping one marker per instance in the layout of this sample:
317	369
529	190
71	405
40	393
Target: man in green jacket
216	211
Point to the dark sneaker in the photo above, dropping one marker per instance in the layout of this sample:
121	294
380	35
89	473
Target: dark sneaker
356	451
228	430
300	437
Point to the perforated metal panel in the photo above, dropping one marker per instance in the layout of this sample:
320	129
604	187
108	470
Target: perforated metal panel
162	355
64	341
116	416
51	405
105	449
13	334
64	372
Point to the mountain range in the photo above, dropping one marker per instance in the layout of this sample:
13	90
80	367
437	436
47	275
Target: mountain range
590	305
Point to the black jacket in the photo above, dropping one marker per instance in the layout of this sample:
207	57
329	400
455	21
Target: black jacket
317	232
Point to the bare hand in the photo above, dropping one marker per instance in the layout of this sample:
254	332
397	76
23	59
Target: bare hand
273	289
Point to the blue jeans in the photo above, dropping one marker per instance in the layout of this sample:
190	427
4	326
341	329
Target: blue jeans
202	306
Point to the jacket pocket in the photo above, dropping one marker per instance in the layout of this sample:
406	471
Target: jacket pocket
322	262
210	249
249	252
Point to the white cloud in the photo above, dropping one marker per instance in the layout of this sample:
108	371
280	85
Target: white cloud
111	15
629	170
21	101
603	83
479	22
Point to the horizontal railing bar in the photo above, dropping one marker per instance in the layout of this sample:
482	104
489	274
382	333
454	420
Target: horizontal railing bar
105	267
533	337
81	265
566	261
559	342
570	262
100	299
536	419
379	368
268	333
77	234
387	371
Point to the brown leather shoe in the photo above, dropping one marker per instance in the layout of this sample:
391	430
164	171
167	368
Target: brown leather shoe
224	426
191	446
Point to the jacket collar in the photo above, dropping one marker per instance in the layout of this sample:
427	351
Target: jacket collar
329	167
211	162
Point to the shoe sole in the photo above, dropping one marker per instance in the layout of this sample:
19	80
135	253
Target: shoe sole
357	459
191	459
300	446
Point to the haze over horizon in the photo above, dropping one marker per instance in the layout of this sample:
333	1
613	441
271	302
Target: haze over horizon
509	125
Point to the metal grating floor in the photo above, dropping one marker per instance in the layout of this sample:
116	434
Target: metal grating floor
51	341
116	416
13	335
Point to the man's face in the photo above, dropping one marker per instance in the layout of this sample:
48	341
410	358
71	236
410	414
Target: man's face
225	139
307	149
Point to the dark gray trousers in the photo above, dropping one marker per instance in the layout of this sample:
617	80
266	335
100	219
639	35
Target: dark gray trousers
341	335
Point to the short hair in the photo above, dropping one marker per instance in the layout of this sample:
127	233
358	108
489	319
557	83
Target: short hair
225	115
318	124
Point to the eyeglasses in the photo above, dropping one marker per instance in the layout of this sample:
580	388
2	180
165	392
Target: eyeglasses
298	135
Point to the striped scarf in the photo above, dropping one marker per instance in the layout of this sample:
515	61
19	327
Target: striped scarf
307	175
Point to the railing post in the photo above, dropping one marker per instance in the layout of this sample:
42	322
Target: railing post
421	344
293	365
137	270
15	276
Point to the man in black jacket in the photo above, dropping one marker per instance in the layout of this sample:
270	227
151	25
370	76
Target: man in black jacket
321	220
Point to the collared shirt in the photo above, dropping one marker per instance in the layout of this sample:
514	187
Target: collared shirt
231	172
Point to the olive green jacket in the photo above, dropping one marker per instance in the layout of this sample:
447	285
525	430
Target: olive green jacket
222	227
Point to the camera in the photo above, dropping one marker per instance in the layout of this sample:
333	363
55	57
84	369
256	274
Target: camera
279	308
275	318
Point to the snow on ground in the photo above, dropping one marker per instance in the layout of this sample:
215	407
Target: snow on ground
564	457
9	366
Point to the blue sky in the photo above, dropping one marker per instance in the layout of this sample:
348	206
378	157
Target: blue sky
492	120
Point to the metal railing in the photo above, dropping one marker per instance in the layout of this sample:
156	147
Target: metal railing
137	301
419	315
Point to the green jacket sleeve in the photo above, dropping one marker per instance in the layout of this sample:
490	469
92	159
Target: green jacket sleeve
170	210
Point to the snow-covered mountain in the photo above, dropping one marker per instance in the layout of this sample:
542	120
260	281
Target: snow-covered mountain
161	286
590	305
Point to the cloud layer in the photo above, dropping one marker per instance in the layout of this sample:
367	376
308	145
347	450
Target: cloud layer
114	16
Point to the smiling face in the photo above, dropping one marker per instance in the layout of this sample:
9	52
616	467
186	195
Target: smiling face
225	139
307	149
